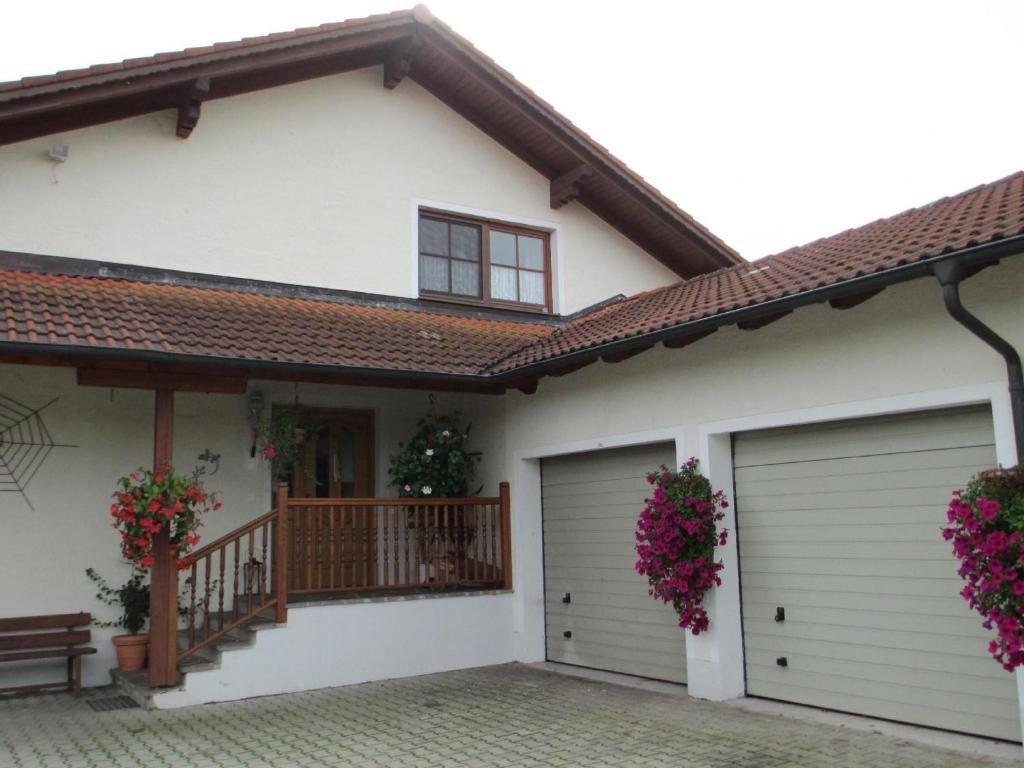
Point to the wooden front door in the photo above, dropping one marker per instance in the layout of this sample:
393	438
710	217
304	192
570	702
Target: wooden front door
333	548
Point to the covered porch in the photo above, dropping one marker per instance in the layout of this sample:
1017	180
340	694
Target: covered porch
330	528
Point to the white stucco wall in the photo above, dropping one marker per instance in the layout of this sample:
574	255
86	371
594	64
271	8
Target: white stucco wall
343	644
44	551
313	183
898	351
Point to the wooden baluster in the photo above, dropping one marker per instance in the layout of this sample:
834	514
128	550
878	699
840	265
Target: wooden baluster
265	529
449	526
386	543
414	546
318	545
220	588
206	598
437	544
192	605
234	600
281	554
494	543
506	535
307	544
249	576
332	548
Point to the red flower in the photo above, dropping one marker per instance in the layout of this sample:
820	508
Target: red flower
269	451
147	561
192	539
216	506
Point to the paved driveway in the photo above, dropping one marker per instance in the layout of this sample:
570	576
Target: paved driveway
498	716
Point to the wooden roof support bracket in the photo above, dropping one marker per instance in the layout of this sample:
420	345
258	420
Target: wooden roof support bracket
190	106
399	63
566	187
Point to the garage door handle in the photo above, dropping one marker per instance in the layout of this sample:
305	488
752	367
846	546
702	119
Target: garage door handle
780	614
567	634
566	598
782	661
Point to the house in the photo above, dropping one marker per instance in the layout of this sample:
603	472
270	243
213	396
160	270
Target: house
371	219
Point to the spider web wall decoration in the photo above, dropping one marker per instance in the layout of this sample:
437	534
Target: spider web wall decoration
25	444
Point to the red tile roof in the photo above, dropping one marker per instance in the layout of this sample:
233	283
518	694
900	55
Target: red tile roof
131	315
112	314
135	66
980	215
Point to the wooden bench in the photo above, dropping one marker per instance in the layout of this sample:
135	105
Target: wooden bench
21	640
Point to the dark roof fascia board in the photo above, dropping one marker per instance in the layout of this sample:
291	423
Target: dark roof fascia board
977	257
217	63
72	267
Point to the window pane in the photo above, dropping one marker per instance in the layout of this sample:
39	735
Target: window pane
531	252
503	284
503	248
531	287
465	278
433	236
466	242
433	274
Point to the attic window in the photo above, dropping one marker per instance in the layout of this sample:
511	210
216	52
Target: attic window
484	262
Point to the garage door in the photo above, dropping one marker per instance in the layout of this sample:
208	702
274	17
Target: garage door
839	526
591	502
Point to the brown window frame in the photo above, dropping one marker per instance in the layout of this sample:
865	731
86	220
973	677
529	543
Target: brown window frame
486	226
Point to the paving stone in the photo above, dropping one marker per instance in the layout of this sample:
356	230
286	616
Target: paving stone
481	718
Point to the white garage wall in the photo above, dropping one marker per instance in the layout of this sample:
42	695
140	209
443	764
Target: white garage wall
44	552
900	350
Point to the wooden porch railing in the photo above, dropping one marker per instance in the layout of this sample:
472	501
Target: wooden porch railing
346	545
340	545
228	583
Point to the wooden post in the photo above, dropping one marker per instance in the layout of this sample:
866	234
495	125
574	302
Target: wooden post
163	596
281	554
506	534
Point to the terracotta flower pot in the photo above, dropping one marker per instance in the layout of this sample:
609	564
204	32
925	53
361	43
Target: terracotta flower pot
299	435
131	651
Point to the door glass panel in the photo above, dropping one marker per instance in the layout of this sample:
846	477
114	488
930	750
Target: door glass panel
465	278
433	274
531	253
503	248
531	287
433	237
344	469
503	283
322	451
466	242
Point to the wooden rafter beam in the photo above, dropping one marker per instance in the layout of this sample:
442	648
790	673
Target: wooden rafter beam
398	65
848	302
566	187
761	322
191	105
684	341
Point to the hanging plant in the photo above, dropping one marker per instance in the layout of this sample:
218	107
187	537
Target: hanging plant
675	540
148	500
986	528
435	462
282	439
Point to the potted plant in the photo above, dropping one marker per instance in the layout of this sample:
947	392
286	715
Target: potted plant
676	536
132	598
986	530
282	439
436	464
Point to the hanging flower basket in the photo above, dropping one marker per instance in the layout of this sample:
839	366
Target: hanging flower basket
676	535
147	501
986	528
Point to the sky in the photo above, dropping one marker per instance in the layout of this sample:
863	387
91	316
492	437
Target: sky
773	123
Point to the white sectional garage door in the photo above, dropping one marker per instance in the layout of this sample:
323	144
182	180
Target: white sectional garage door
591	502
839	524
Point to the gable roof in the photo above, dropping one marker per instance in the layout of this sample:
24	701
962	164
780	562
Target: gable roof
78	315
411	43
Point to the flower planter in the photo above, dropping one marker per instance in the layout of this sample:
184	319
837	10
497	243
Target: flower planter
131	651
